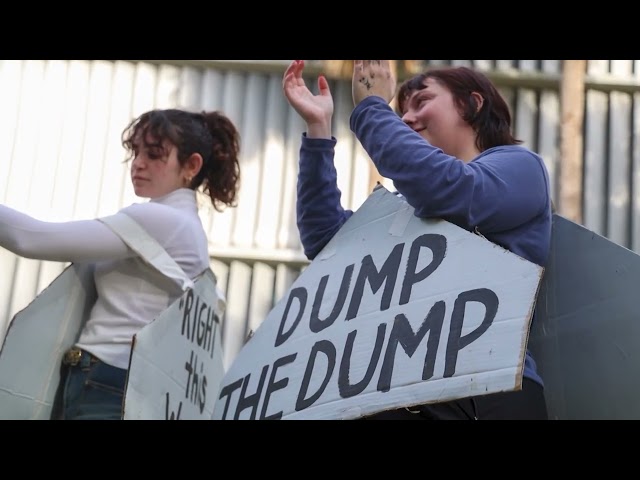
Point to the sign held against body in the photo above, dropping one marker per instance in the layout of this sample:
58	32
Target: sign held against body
176	361
395	311
36	340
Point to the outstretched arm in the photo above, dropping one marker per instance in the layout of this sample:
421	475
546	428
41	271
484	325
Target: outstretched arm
319	213
76	241
504	188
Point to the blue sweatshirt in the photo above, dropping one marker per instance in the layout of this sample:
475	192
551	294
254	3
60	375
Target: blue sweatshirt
502	194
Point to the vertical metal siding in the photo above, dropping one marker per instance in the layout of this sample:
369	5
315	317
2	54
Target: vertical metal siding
61	159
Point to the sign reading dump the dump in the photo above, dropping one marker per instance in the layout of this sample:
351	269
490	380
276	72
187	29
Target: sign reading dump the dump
395	311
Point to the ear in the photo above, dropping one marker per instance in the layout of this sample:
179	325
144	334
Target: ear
193	165
477	100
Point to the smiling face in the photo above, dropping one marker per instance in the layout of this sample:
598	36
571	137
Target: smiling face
155	170
432	113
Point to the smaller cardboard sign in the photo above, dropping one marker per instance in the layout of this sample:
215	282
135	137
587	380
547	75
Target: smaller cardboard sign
176	362
36	340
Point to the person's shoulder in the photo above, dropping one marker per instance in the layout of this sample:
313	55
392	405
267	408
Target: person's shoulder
167	225
510	152
152	214
147	208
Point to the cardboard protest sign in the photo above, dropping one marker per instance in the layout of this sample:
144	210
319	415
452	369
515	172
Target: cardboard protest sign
586	336
395	311
176	362
36	340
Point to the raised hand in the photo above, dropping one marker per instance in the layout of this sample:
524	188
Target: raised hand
315	110
372	77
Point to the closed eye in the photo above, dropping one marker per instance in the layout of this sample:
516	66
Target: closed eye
422	100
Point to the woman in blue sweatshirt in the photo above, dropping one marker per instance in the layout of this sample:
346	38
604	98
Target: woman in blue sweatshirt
451	155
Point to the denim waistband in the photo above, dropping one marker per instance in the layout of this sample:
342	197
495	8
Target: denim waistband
77	357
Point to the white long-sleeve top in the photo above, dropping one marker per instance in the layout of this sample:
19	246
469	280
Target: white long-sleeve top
131	293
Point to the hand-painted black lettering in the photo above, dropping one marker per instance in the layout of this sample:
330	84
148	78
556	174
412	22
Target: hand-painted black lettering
438	245
388	274
250	401
345	387
195	389
194	319
197	321
402	333
211	344
187	310
201	328
227	391
188	366
170	414
273	386
315	323
326	347
457	342
301	294
202	396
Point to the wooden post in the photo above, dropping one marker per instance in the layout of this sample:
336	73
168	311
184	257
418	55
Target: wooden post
341	69
571	139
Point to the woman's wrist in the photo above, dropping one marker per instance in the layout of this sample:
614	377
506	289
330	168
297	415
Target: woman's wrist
319	130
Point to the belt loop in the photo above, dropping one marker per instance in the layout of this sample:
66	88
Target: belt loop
85	359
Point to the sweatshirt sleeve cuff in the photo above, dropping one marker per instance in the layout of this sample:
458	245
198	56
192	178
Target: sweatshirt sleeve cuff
318	143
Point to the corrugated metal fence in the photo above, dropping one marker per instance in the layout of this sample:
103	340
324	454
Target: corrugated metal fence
61	158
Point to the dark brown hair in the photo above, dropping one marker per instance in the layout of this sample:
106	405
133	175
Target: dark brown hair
211	134
492	123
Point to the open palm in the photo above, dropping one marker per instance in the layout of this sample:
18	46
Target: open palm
312	108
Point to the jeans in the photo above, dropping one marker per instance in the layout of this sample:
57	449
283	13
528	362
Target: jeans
90	390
